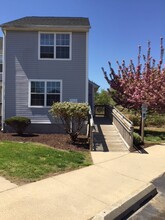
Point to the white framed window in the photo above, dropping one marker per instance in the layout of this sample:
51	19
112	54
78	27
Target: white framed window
46	45
1	62
55	46
43	93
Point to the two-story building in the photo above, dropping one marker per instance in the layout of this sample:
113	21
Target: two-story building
45	61
1	68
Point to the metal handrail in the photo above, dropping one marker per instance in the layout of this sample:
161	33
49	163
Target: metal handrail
128	125
123	116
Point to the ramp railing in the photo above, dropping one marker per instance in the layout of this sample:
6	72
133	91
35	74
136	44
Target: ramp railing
123	124
90	128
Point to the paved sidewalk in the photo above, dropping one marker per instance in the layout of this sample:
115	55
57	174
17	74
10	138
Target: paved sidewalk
83	193
6	185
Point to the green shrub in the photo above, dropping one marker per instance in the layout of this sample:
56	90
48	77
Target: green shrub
73	116
137	140
155	120
135	119
19	124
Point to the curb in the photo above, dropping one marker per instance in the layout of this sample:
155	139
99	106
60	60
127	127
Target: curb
128	206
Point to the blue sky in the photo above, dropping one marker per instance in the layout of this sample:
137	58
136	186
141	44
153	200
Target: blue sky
117	26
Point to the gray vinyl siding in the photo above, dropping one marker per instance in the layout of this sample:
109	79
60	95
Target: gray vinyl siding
22	64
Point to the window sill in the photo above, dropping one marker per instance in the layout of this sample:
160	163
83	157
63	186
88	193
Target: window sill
39	106
55	59
40	122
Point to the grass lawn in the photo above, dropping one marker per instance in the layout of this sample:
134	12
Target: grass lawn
153	135
27	162
154	132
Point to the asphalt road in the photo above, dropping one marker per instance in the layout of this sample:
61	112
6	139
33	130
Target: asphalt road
155	208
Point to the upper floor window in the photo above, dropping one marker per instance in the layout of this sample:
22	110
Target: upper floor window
0	63
55	46
62	46
47	46
44	93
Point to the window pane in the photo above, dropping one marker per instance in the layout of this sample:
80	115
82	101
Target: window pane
63	39
0	58
53	87
0	63
37	99
52	98
46	52
37	87
47	39
62	52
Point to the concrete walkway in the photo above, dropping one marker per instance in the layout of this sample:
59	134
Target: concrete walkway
83	193
107	137
6	185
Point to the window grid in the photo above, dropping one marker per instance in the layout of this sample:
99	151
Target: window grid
41	97
59	49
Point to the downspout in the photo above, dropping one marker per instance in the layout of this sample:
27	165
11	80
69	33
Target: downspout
3	81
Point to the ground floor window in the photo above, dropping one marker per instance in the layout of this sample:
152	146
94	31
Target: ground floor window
44	92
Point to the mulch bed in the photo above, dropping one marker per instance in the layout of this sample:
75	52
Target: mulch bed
59	141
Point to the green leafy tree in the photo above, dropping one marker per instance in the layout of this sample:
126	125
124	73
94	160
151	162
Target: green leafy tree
72	115
103	98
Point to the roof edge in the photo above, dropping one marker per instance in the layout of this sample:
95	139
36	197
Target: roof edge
47	28
35	21
94	84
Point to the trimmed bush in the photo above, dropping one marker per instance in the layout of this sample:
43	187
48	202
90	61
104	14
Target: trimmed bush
72	115
19	124
137	140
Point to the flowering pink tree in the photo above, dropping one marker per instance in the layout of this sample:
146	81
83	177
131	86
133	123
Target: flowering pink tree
144	84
